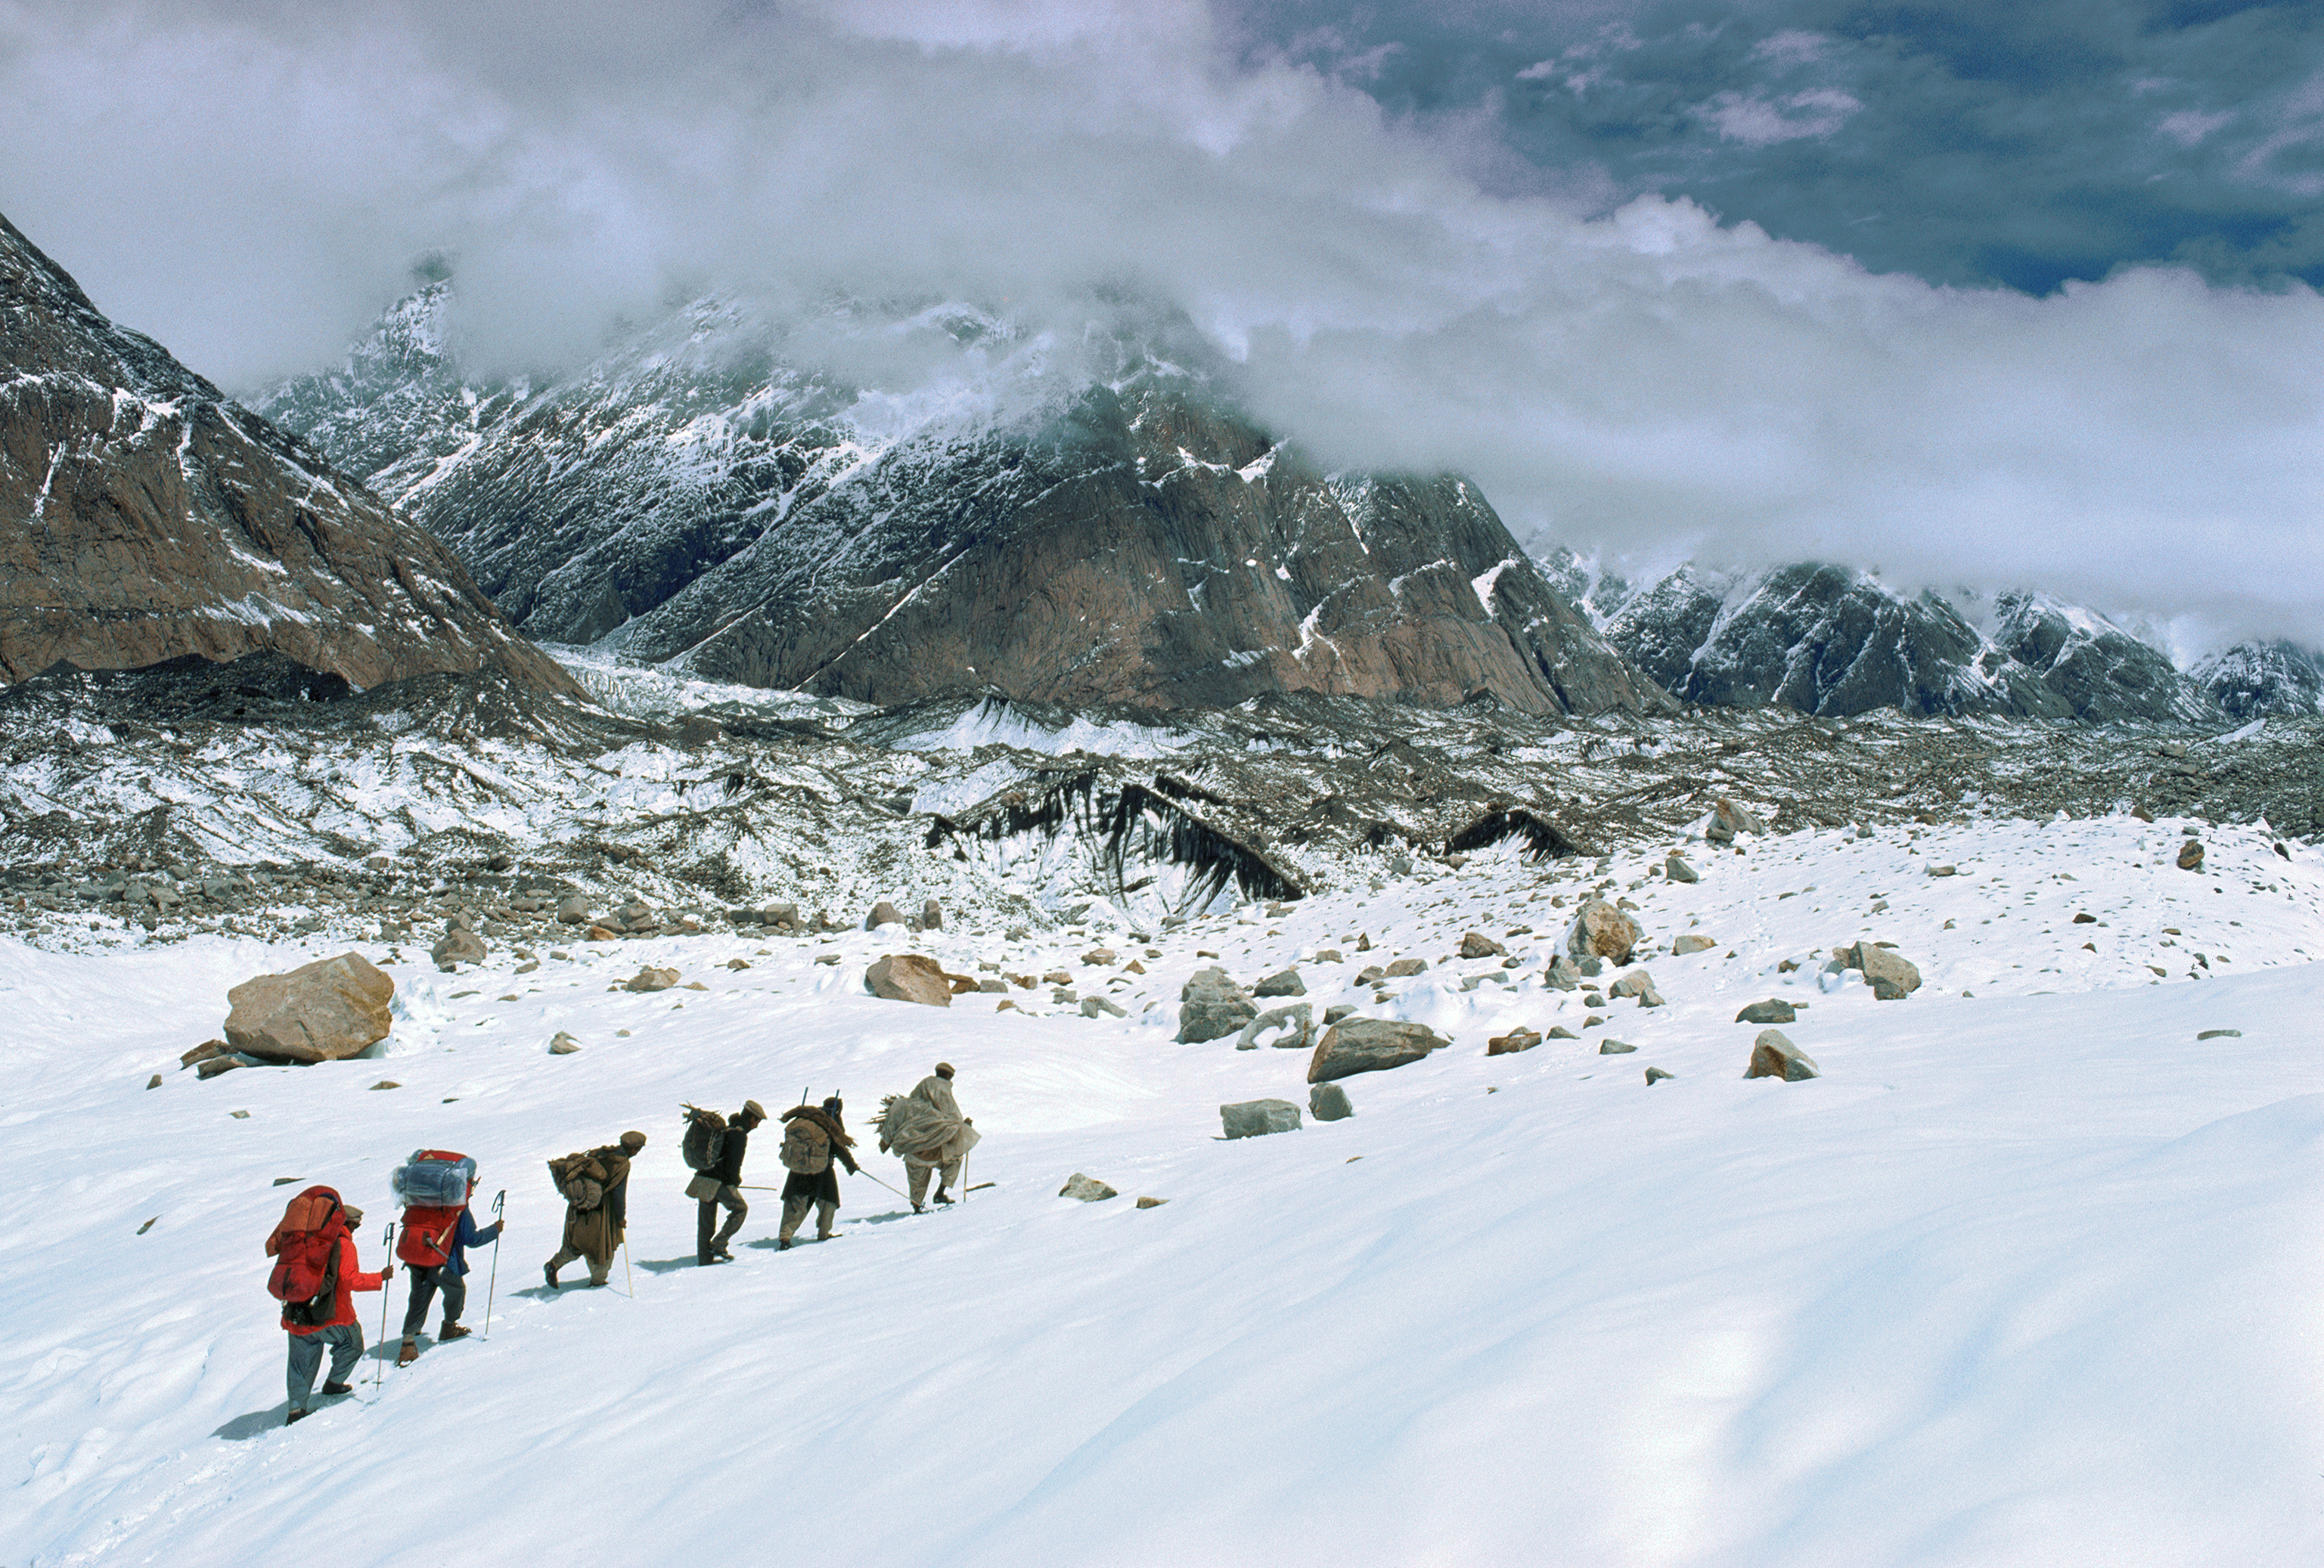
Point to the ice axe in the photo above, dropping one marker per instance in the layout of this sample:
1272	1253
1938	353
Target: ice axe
494	1284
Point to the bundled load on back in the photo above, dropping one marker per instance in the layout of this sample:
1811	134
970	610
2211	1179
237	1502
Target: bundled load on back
809	1132
917	1126
433	1188
305	1247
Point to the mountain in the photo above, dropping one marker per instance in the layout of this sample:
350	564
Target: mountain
1080	522
2264	680
145	516
1831	641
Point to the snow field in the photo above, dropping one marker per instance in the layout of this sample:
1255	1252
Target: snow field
2022	1277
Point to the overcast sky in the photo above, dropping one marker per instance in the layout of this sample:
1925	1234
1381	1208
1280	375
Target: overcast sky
1985	293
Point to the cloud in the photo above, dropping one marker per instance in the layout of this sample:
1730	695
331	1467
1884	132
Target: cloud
1759	122
2189	126
1792	47
250	182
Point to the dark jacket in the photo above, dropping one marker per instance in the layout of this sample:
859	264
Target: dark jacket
729	1169
469	1234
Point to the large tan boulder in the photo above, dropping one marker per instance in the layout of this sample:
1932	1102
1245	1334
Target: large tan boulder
1600	931
910	978
1892	978
325	1011
1369	1045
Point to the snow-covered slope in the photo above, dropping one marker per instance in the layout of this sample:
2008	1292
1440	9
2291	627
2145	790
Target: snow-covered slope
2264	680
979	505
2026	1276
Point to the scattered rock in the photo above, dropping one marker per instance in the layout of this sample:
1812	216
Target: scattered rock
1476	945
1093	1005
1087	1188
1892	978
2085	918
325	1011
386	1083
1728	819
1943	871
1258	1118
1774	1010
600	934
1282	982
738	963
1102	958
1600	931
2221	1035
882	914
1559	1032
563	1044
457	945
1610	1047
573	910
2191	855
1403	968
1212	1006
1677	870
1773	1056
1365	1045
932	916
1337	1010
1562	975
1691	943
1152	1202
1370	976
154	1082
1655	1074
650	979
910	978
203	1052
1329	1103
1515	1041
1296	1021
218	1064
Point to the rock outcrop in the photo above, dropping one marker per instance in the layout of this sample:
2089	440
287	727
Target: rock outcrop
1212	1006
144	517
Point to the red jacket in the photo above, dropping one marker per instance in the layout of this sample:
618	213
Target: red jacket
351	1279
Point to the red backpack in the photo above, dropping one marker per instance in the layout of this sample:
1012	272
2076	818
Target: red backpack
428	1229
305	1247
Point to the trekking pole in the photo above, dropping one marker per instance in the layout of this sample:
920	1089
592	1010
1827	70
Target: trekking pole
494	1283
379	1368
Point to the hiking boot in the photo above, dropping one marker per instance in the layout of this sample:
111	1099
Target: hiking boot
783	1244
549	1274
409	1353
943	1198
450	1332
294	1415
724	1256
715	1258
920	1208
336	1390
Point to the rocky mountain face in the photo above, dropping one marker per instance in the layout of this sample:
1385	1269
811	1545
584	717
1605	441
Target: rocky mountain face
1830	641
2264	680
145	516
1052	535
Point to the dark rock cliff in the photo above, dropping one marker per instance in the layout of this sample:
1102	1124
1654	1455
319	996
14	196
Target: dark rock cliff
145	516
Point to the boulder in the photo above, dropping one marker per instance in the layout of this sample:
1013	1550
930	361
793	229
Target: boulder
1329	1103
1562	975
1403	968
1478	945
1677	870
325	1011
1691	943
1600	930
908	978
1258	1118
1087	1188
1728	819
1515	1041
1282	982
203	1052
1296	1021
1559	1032
1773	1056
1892	978
1337	1010
2191	855
650	979
457	945
1655	1074
1093	1005
931	916
1102	958
1615	1048
1368	1045
573	910
1635	984
1774	1010
563	1044
882	914
1212	1006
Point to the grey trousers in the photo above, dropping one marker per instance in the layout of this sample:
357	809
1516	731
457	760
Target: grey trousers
707	1245
917	1170
346	1344
795	1213
425	1283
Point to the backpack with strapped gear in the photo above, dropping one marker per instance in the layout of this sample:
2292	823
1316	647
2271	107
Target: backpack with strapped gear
433	1188
807	1147
305	1247
580	1179
705	1141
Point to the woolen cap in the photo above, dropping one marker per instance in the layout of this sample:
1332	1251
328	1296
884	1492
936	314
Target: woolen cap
943	1069
755	1111
633	1141
353	1214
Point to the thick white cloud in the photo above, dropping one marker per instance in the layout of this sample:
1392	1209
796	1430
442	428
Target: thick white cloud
248	183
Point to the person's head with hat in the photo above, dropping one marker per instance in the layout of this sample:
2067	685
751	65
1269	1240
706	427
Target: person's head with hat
632	1142
944	1070
752	1114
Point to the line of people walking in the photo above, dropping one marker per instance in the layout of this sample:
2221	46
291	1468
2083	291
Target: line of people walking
318	1272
